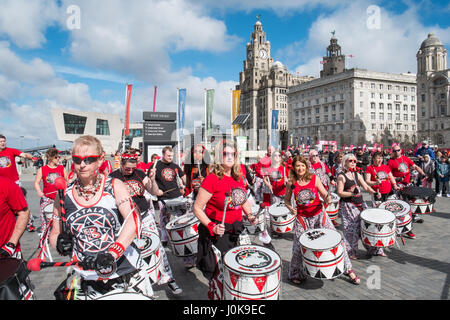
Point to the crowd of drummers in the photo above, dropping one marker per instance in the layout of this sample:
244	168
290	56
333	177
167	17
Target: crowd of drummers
106	218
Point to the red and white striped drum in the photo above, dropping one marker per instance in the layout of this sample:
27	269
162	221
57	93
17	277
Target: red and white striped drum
183	235
282	218
323	253
378	227
260	216
402	211
333	208
151	248
251	273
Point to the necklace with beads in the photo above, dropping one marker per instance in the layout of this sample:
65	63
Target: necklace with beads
88	192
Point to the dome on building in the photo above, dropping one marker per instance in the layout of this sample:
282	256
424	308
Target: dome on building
432	40
258	23
277	64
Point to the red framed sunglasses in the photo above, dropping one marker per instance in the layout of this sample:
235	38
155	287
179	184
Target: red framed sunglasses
87	160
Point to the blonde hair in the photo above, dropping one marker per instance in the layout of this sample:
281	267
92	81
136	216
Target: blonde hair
218	160
346	157
88	141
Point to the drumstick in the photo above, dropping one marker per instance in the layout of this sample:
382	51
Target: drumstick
227	197
60	185
37	264
169	190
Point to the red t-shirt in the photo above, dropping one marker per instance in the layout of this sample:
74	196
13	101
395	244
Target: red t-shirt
11	201
276	177
400	168
215	206
8	167
143	166
48	180
307	199
382	172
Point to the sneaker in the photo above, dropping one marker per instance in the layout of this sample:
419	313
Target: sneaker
439	194
174	287
448	195
410	235
418	219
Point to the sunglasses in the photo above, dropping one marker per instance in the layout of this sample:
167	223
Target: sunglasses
396	150
314	155
87	160
228	154
352	161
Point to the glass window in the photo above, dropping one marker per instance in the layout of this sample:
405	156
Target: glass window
74	124
102	127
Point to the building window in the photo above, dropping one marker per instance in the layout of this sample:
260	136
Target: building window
382	126
423	97
102	128
381	105
74	124
389	116
381	116
372	115
374	126
372	105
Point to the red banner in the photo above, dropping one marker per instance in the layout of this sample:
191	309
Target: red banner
127	111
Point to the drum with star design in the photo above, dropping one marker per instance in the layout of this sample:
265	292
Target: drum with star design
251	272
183	234
322	253
378	227
402	211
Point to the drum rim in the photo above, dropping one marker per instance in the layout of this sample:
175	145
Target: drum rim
228	267
190	222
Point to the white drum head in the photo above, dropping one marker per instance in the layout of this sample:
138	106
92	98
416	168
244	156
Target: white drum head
182	221
376	215
320	239
252	259
148	243
279	210
397	207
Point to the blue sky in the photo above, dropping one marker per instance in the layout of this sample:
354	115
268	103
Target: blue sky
182	44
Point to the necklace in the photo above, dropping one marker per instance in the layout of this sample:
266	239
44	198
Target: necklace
88	192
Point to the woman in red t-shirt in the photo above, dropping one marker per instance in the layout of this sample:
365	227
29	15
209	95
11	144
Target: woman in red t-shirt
380	178
310	214
275	179
219	204
47	174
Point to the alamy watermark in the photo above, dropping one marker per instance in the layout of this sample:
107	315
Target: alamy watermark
373	21
73	22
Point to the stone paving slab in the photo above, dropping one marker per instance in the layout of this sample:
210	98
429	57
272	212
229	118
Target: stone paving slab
417	271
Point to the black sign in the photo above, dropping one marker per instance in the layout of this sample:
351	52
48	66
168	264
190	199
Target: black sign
159	131
159	116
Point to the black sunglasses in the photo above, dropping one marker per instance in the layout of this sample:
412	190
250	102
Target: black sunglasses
396	150
87	160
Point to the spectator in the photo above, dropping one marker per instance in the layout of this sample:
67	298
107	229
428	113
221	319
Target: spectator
428	168
437	160
443	171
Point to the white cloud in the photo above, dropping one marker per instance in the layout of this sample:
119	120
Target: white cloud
24	22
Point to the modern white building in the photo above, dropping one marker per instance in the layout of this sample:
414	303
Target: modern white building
433	94
355	106
108	128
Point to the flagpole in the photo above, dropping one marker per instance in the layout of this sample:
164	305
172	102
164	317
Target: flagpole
206	139
125	122
231	113
178	126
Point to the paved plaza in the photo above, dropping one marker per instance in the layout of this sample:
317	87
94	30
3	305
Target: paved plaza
420	269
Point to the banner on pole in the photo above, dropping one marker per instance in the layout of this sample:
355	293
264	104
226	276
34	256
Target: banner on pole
275	136
209	110
127	109
181	111
235	109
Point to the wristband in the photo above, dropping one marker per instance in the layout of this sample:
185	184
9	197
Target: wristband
116	249
9	247
210	227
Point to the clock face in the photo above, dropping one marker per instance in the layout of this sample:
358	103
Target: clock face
250	54
262	54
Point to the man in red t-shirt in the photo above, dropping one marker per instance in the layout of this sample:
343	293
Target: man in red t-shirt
401	165
12	204
8	156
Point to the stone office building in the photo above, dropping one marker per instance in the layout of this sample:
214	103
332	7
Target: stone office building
354	106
